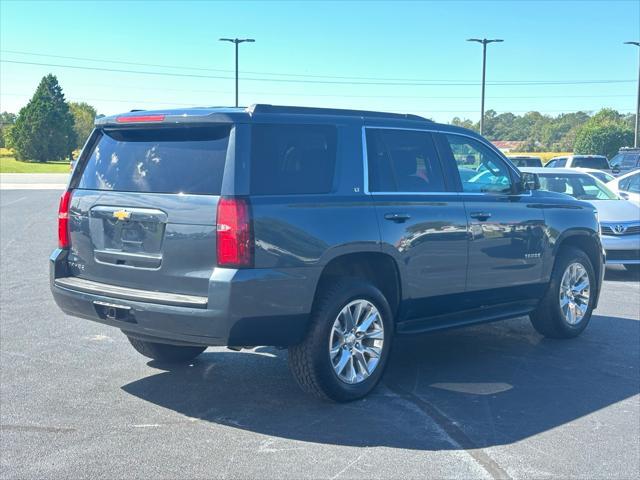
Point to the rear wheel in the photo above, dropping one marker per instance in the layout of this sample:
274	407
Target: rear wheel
344	354
165	353
568	304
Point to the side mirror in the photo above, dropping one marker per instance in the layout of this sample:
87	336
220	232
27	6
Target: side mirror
529	181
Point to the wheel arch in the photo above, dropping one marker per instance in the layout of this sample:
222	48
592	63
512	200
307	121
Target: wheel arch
589	242
378	268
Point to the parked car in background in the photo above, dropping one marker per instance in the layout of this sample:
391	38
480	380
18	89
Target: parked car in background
323	231
601	175
627	159
526	161
619	219
598	162
627	186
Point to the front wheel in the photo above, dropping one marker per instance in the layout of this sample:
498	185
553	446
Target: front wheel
568	304
345	351
166	353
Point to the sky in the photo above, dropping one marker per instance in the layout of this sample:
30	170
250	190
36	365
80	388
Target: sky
410	57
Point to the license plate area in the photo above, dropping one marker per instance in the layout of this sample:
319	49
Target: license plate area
129	237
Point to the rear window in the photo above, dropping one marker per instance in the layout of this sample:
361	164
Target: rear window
159	160
591	162
292	159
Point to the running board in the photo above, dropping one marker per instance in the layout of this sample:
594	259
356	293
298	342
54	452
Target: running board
467	317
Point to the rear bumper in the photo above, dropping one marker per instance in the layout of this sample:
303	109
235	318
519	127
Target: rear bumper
624	249
243	307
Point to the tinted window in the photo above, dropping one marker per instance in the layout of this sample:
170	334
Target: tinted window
489	173
616	161
289	159
161	160
591	162
403	161
630	160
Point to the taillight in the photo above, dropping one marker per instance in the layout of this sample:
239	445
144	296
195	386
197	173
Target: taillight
63	220
234	233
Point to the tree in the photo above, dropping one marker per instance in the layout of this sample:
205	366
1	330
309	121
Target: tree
44	127
465	123
83	117
6	122
603	134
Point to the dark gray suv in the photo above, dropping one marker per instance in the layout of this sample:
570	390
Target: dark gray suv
325	231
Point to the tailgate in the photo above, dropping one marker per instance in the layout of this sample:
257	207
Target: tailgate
143	212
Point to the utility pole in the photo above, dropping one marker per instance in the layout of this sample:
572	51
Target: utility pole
237	41
484	42
635	138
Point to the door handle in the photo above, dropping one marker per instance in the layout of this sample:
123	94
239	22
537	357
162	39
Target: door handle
397	217
480	215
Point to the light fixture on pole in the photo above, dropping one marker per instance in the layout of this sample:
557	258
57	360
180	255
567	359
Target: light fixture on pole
237	41
635	137
484	42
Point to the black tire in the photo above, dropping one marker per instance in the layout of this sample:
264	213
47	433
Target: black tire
548	318
166	353
310	361
632	268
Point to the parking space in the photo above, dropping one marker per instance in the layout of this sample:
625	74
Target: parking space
493	401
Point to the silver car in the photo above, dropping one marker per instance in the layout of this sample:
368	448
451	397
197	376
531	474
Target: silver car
619	219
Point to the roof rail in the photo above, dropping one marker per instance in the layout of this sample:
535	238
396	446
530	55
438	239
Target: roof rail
266	108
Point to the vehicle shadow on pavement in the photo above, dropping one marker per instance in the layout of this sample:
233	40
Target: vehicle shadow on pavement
469	388
620	274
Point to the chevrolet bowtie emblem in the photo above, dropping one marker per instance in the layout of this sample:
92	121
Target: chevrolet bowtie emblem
122	215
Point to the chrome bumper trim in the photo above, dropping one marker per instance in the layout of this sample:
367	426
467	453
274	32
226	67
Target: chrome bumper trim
114	291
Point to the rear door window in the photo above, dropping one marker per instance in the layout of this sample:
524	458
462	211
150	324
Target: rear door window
403	161
159	160
292	159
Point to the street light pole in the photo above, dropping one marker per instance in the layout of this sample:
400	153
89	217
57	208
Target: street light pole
236	42
484	42
635	137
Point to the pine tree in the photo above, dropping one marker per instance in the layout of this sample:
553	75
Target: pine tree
44	127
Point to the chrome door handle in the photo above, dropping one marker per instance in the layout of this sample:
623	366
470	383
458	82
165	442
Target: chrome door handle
480	215
397	217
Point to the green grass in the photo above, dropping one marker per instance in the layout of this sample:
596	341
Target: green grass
11	165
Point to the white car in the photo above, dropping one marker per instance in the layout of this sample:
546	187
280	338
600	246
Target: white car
619	219
596	162
627	186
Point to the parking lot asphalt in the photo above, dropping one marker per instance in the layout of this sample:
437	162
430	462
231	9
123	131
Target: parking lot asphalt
492	401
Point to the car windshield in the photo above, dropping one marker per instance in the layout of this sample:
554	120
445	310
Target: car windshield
582	187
